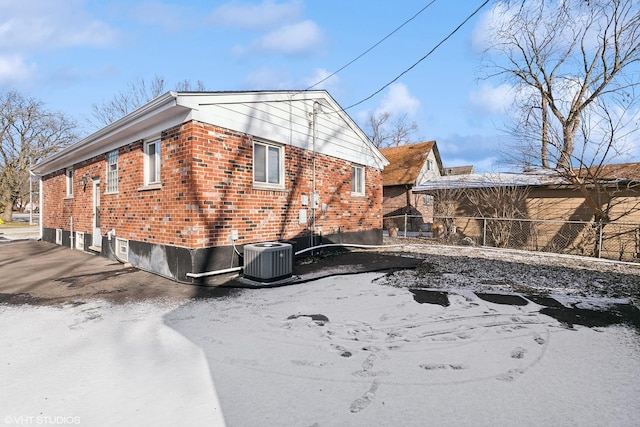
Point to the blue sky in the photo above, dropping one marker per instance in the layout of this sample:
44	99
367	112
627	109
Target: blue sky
71	54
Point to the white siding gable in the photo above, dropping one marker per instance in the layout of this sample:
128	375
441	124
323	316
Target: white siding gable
427	174
288	117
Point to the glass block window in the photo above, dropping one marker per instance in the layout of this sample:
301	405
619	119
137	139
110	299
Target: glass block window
112	171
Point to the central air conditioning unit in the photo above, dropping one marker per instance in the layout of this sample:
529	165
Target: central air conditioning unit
268	262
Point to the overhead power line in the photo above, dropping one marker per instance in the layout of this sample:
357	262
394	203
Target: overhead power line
372	47
421	59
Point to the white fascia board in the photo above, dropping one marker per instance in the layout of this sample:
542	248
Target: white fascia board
159	114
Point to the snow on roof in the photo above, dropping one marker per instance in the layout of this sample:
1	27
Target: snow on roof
497	179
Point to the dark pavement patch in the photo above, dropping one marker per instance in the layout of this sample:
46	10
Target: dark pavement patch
502	299
616	314
425	296
350	262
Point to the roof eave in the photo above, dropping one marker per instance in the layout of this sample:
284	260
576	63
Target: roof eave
79	150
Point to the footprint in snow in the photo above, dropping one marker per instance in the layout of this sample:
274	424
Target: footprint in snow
510	375
442	366
344	352
363	401
367	364
518	353
539	339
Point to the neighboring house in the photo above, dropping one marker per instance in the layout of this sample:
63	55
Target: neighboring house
409	165
458	170
177	185
552	198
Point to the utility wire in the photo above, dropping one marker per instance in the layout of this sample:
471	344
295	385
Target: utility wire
372	47
421	59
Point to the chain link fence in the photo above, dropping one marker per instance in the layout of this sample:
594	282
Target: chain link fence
618	241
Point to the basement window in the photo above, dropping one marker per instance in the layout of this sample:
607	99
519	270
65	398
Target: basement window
58	236
122	249
80	240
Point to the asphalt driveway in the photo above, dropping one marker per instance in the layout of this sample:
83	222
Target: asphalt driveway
43	273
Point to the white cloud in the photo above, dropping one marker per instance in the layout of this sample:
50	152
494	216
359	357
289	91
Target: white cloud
563	29
14	69
398	101
492	99
36	25
268	14
482	35
171	17
331	84
484	152
295	39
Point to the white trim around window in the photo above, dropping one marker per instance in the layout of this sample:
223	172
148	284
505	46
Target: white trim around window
268	165
357	180
152	163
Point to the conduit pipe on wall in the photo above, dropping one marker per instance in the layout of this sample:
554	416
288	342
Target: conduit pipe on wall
331	245
111	237
336	245
213	273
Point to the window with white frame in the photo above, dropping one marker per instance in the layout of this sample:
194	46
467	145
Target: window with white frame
429	165
112	171
357	180
69	181
152	162
268	165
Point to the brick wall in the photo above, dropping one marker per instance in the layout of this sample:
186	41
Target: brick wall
207	191
397	200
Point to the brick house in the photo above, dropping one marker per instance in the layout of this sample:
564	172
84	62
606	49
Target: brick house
409	165
178	185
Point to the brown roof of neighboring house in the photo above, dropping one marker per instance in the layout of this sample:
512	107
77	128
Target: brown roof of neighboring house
618	172
405	162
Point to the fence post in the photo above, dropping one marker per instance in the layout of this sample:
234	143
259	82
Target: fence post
405	225
600	230
484	232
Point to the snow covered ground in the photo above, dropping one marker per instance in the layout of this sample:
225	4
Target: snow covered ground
357	350
97	364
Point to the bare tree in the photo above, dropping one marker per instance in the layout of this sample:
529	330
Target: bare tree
187	86
28	133
136	95
501	204
386	133
377	132
572	63
445	206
